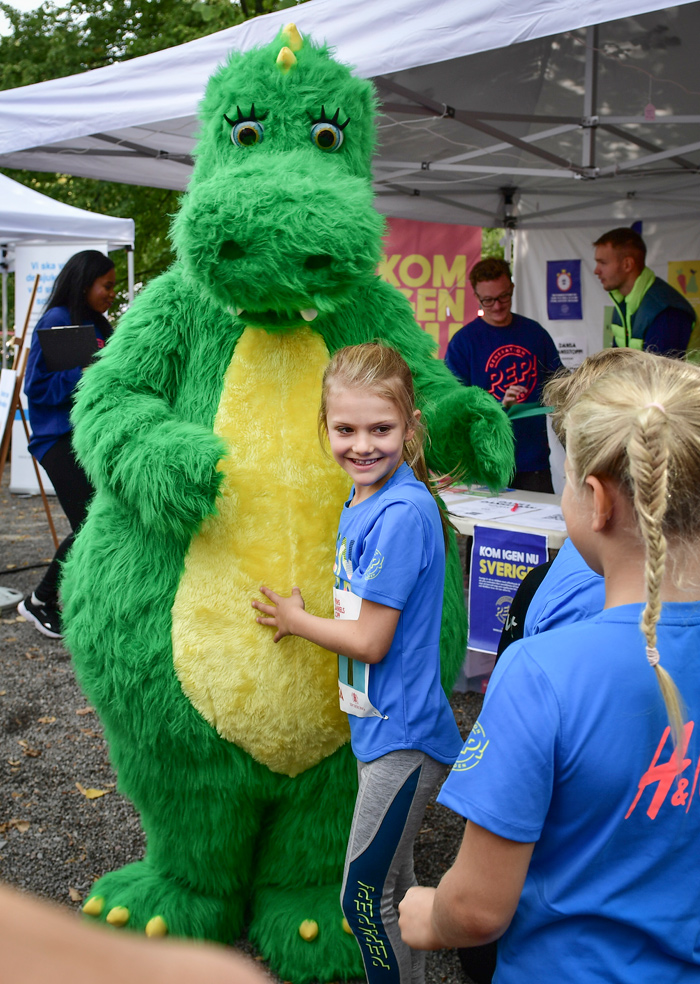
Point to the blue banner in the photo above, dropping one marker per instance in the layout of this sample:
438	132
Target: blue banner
500	560
564	290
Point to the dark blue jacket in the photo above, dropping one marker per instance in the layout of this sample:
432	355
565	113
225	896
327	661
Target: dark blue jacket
50	394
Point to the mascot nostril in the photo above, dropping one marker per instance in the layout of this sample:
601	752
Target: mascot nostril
230	250
199	432
318	262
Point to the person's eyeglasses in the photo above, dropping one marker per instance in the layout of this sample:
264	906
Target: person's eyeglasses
503	298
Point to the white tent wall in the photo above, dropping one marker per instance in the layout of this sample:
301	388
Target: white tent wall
666	242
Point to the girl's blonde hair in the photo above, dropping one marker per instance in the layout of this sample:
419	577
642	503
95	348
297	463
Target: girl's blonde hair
640	426
566	385
379	368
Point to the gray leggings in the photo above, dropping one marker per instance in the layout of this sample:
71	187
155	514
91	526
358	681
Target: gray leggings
394	791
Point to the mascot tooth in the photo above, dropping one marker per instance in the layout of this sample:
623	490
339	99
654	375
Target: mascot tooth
198	429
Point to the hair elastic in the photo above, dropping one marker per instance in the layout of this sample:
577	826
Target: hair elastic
659	406
652	655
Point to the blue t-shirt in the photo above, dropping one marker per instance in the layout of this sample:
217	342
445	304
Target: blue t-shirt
50	394
571	751
493	358
570	592
390	550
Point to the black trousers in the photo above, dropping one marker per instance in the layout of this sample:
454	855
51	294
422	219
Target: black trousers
74	491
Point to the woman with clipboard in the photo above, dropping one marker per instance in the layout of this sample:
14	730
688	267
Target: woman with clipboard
82	294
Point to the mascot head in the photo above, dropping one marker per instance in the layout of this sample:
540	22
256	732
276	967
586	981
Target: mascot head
278	223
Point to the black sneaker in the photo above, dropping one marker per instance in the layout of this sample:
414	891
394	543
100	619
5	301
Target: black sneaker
46	617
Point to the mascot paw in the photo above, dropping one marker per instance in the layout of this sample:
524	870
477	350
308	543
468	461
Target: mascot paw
301	933
142	899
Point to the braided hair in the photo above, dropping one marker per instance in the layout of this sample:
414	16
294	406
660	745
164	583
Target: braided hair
640	426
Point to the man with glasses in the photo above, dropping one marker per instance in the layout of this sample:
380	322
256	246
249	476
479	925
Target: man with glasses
511	357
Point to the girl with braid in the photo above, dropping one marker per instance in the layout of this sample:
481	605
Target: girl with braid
580	781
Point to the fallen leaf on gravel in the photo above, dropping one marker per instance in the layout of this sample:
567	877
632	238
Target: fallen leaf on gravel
91	794
46	720
90	733
11	639
22	826
10	567
18	619
85	710
75	895
2	693
13	762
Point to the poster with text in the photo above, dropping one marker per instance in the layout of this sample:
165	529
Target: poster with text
429	262
685	277
564	290
47	260
500	560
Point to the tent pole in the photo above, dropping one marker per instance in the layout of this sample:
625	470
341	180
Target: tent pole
130	272
4	317
590	97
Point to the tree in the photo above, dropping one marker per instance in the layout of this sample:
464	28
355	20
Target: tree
63	39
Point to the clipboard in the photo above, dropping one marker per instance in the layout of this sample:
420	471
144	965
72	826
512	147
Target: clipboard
68	346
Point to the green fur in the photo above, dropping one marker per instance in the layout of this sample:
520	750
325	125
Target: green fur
228	840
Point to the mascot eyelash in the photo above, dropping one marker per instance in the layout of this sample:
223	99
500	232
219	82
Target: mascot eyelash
246	131
327	134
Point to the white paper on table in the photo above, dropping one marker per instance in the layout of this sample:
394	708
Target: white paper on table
547	518
494	509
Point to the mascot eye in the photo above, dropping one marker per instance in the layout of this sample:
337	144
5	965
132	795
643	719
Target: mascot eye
248	133
326	136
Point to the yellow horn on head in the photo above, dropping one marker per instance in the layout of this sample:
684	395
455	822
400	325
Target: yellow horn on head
286	59
292	37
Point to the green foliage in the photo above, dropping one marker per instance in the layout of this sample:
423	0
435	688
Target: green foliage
491	244
56	40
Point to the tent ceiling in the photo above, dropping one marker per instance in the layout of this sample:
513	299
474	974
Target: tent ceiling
494	112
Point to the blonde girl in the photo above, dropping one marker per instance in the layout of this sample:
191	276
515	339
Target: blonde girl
580	779
388	582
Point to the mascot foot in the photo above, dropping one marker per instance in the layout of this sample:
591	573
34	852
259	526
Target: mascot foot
301	933
142	899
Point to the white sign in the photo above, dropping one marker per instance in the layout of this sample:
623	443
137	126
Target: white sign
7	391
573	349
47	260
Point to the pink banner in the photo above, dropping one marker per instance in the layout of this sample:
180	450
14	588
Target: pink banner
429	263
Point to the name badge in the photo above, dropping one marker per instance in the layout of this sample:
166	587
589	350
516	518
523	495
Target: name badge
346	605
353	675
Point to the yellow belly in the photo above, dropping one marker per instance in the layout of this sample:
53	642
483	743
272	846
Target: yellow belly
275	525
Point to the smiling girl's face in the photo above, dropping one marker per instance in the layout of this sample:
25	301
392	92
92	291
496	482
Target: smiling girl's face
367	434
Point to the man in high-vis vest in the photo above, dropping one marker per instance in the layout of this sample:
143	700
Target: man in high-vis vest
649	313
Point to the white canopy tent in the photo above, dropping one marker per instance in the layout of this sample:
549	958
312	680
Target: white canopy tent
497	112
26	216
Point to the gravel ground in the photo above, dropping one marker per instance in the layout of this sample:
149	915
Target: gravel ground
54	839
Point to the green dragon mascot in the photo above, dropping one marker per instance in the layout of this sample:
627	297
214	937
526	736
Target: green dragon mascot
198	428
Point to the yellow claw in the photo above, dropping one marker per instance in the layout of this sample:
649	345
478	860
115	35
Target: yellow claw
346	927
118	916
291	35
94	906
286	59
156	927
308	930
